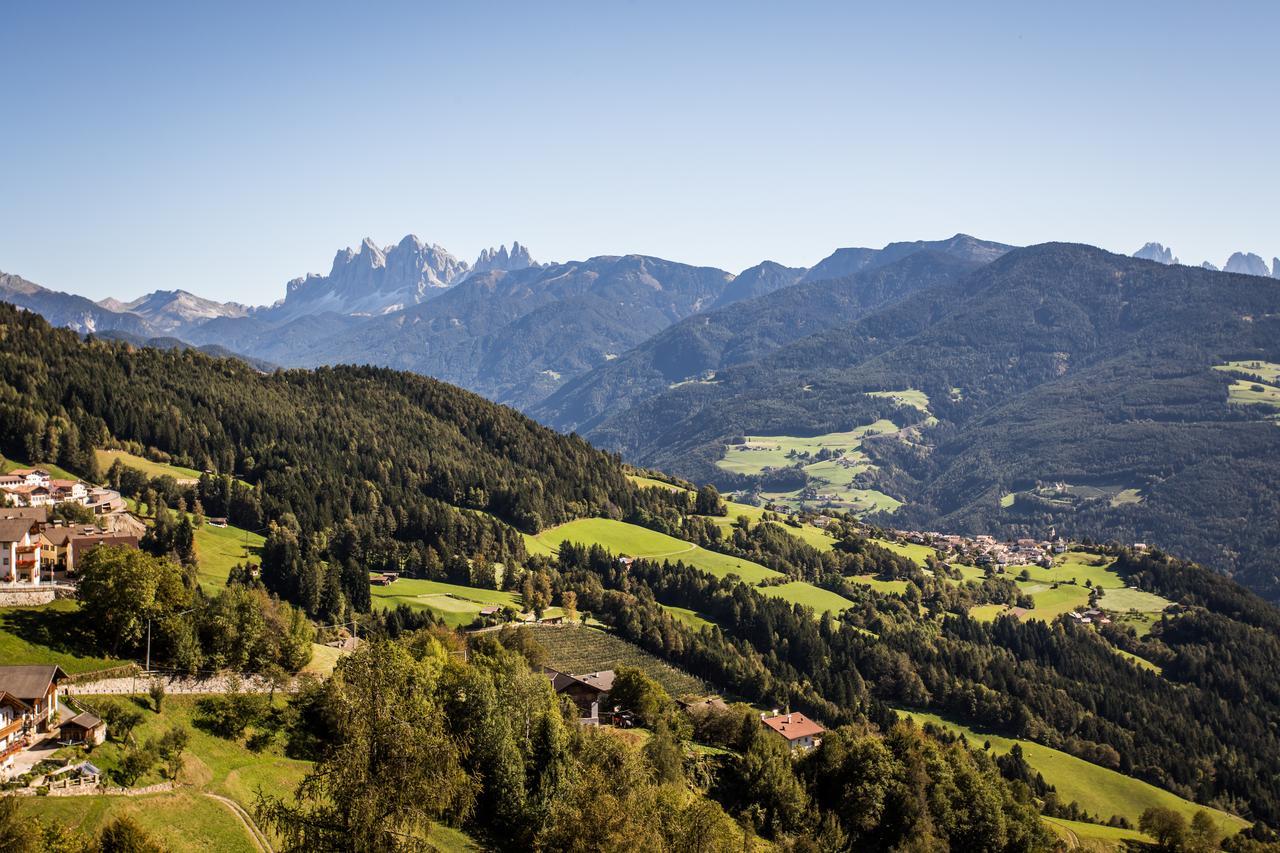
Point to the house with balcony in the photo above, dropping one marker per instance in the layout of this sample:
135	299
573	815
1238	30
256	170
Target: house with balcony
19	550
13	727
36	686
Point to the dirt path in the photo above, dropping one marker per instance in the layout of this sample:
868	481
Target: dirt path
259	837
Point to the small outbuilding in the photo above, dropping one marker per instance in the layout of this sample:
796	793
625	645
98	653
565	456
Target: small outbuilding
84	728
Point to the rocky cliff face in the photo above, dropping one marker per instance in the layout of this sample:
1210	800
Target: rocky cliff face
1247	263
1156	252
374	280
501	260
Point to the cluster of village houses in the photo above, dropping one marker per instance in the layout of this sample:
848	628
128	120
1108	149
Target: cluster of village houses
36	548
590	693
987	551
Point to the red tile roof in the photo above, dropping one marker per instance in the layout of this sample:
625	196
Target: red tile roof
793	726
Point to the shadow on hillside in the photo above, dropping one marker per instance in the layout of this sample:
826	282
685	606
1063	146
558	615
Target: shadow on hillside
59	630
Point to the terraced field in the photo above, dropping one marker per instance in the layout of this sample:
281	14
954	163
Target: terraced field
579	650
1100	791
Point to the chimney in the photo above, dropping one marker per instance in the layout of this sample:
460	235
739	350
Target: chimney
788	719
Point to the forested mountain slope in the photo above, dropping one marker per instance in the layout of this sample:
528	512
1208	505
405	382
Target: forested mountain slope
359	469
410	464
1071	388
694	350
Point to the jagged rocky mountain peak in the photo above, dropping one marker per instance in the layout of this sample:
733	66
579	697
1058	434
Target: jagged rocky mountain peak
1247	263
500	259
1156	252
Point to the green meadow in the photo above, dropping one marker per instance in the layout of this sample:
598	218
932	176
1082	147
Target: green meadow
1265	371
801	592
456	604
1097	789
221	548
895	587
1078	835
916	553
634	541
146	466
7	465
49	634
689	617
910	397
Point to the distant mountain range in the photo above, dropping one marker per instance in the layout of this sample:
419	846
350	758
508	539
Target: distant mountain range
1054	386
506	326
1245	263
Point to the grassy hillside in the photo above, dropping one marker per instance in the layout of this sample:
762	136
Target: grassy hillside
146	466
49	634
221	548
1100	791
456	605
633	541
800	592
7	465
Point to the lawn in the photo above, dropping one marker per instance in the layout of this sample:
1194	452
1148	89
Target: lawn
1079	835
650	483
802	592
1080	566
633	541
807	533
221	548
1139	661
1099	791
986	612
146	466
916	553
1247	392
1052	603
456	604
182	820
580	650
897	587
49	634
1265	370
1124	599
689	617
323	660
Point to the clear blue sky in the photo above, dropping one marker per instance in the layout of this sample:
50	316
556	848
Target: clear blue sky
229	149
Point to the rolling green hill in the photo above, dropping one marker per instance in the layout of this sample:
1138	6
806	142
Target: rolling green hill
1099	791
